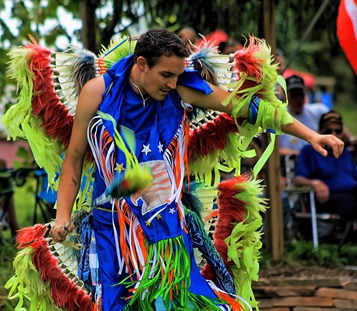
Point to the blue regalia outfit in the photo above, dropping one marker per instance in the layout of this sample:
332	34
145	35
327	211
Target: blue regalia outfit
144	248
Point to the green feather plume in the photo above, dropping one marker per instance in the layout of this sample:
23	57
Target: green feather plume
117	49
27	286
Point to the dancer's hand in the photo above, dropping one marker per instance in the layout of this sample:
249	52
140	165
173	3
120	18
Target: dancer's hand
60	230
327	144
321	143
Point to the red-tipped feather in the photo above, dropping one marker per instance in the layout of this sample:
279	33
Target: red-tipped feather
65	293
210	136
29	235
246	59
255	67
57	121
230	211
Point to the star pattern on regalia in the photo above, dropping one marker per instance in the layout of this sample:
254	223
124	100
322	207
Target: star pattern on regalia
161	147
146	149
148	223
172	210
119	167
159	216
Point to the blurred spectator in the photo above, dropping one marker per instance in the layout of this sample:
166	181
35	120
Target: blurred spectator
308	114
334	180
189	37
280	60
323	95
290	146
230	46
7	208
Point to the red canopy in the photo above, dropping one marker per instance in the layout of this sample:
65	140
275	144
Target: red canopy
309	79
347	30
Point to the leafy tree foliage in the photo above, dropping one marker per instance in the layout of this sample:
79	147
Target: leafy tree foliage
100	20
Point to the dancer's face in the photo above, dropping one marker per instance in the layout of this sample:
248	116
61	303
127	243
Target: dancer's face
158	80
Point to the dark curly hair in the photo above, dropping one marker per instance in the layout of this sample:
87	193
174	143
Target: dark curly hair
157	42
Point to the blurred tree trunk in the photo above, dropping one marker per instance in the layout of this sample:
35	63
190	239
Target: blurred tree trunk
88	33
274	230
93	36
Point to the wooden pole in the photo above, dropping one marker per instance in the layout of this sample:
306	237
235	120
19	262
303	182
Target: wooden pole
274	231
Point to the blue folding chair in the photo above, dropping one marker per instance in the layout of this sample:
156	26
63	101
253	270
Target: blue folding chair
45	197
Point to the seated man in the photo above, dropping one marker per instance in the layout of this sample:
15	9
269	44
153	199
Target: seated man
290	146
7	208
334	180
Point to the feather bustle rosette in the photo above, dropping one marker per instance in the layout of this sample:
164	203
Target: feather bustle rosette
251	58
212	135
57	121
237	236
64	292
41	116
231	211
254	61
257	75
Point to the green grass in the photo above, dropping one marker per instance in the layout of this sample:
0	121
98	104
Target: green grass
303	253
25	203
7	253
